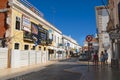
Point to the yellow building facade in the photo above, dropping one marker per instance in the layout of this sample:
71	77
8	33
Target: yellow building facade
28	37
18	35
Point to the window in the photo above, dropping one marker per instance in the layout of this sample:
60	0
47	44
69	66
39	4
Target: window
44	49
16	46
26	47
39	48
58	40
33	48
119	12
52	36
55	39
17	25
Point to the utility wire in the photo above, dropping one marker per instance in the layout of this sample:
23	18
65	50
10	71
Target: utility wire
107	12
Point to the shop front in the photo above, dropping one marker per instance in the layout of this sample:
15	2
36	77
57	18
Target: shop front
60	54
51	54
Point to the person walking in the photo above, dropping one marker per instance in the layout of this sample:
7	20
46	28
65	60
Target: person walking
95	59
106	56
102	58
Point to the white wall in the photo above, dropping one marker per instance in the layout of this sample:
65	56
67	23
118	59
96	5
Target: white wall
105	19
56	34
103	35
3	58
26	58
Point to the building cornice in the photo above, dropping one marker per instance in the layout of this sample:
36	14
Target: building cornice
14	3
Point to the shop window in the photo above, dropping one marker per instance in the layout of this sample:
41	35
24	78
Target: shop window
33	48
26	47
16	46
17	25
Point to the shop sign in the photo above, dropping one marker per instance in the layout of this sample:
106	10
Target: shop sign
115	35
26	24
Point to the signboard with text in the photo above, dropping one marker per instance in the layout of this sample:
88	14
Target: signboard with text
26	24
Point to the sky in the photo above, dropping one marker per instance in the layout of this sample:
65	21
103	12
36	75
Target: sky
75	18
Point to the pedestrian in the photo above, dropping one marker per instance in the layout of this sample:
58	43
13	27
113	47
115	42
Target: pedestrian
106	56
102	59
95	59
92	57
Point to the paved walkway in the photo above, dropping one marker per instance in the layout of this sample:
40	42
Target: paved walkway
88	72
95	73
10	73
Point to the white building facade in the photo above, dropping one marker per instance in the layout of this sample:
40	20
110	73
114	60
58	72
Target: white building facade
30	38
70	45
102	19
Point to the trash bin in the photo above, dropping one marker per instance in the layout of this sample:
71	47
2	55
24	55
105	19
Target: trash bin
114	63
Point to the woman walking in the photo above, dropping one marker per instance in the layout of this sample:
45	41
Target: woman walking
102	59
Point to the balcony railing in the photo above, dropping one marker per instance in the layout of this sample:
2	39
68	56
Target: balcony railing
31	7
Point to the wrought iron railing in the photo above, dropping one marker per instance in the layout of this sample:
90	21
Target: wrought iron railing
31	7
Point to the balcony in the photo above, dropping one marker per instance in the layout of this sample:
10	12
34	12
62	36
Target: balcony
27	36
60	45
49	41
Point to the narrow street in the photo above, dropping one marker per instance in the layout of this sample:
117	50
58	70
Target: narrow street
72	69
54	72
59	39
